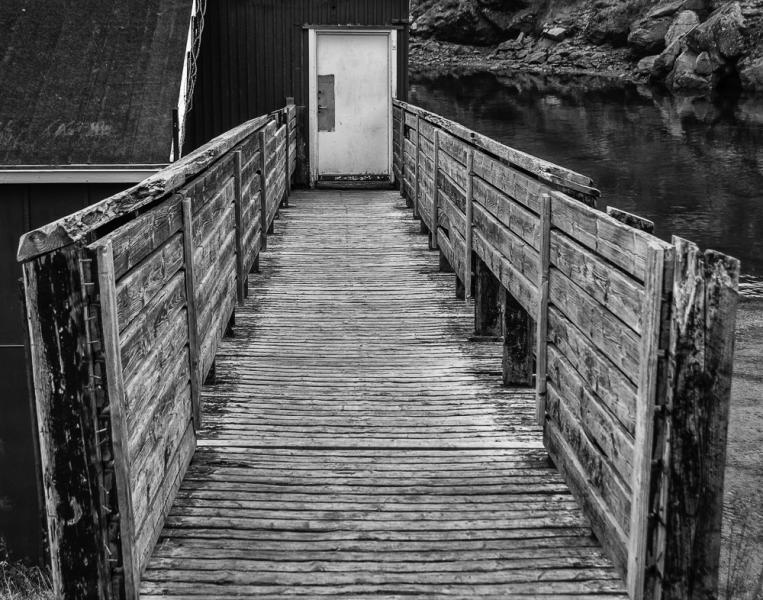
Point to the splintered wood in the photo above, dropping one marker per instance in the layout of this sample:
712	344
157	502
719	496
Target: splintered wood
356	444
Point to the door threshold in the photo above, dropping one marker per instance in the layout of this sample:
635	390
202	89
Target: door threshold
354	182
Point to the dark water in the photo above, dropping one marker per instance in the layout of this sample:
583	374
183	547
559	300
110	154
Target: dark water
693	166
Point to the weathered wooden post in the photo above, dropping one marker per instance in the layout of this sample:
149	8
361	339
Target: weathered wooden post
417	170
541	336
263	192
687	487
467	283
433	245
402	153
517	342
487	301
191	311
241	276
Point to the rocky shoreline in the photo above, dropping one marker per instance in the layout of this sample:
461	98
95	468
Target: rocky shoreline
691	47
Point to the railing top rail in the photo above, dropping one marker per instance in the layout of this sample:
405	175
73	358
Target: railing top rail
77	226
538	167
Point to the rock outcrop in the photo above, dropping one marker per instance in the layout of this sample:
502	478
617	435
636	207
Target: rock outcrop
692	46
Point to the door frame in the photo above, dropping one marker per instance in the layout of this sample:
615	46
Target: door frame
312	93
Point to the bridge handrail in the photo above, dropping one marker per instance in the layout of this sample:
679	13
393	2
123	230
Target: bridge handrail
632	339
126	302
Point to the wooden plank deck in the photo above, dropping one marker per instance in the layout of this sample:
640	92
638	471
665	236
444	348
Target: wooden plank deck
358	444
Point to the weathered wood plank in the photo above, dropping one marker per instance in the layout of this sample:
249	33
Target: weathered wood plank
645	405
192	311
595	368
139	286
119	433
541	334
623	296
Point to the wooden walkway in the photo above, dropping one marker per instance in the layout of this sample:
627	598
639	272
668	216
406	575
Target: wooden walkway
358	444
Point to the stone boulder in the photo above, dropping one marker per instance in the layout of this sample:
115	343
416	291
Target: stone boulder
751	73
723	34
646	65
664	63
459	21
647	35
611	21
684	77
682	24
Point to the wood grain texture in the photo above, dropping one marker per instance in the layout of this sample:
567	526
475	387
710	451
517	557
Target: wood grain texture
356	443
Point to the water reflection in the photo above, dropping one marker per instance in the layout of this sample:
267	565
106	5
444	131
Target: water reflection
692	165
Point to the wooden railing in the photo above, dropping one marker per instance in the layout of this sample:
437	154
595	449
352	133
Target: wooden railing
126	303
627	339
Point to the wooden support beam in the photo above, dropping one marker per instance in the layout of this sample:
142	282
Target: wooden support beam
107	287
241	276
287	174
645	406
435	199
460	289
517	343
192	312
264	229
700	355
445	266
542	319
417	166
68	420
469	222
487	301
402	153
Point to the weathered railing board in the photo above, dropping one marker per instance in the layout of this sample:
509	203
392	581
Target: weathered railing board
623	296
455	171
177	465
594	367
568	451
607	333
206	218
226	304
222	260
139	286
142	236
141	389
455	218
162	387
593	414
151	325
520	254
531	164
148	478
522	289
597	470
617	242
515	217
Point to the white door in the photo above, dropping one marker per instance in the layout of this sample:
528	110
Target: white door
352	91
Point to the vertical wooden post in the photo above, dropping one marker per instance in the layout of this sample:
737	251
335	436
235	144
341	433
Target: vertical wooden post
487	301
541	338
287	175
69	415
469	224
417	167
517	343
433	245
116	393
263	194
402	152
700	356
645	405
191	311
241	276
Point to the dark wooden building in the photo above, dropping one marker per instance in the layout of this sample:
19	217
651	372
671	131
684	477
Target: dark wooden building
255	53
87	94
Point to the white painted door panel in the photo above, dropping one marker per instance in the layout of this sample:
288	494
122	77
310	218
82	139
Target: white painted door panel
359	142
